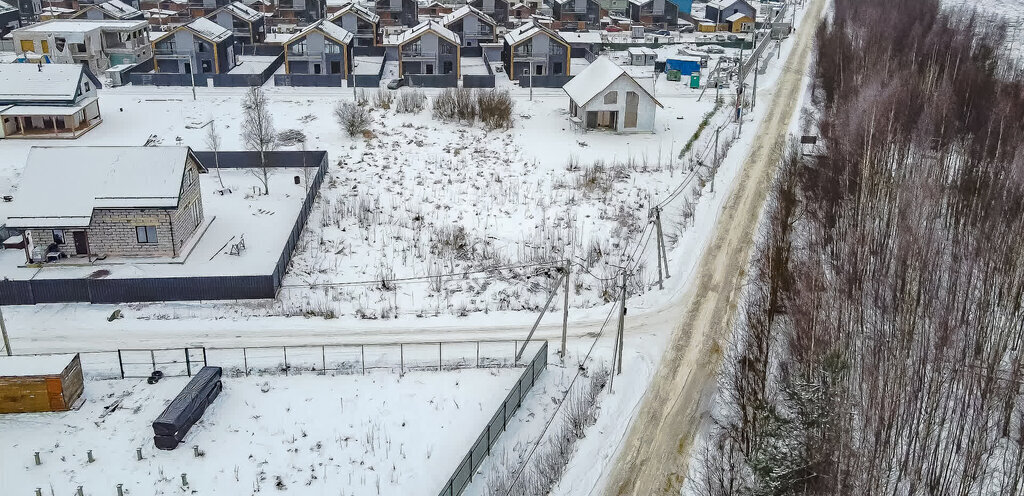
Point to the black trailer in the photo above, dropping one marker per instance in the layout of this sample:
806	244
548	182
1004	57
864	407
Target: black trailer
172	425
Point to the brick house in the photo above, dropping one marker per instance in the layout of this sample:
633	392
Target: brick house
108	201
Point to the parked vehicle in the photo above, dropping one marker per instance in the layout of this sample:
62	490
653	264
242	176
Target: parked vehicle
686	29
663	32
721	37
713	49
613	29
396	83
733	37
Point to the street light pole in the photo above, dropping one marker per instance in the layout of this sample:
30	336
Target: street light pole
3	331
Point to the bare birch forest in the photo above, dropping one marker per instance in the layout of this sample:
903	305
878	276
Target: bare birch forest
878	350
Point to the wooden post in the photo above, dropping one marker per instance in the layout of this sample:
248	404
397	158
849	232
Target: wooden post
565	309
661	239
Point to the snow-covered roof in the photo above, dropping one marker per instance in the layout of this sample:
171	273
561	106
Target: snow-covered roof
6	7
32	83
47	110
209	29
527	31
82	25
463	12
34	365
581	36
419	30
600	74
641	51
242	11
330	29
358	10
118	9
639	2
90	177
737	16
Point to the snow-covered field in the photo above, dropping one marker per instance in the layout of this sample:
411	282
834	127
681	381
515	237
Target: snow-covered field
305	435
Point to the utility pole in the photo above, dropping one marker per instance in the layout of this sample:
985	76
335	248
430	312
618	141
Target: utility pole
551	297
565	308
661	236
661	283
753	96
660	248
529	68
192	74
622	320
3	331
714	166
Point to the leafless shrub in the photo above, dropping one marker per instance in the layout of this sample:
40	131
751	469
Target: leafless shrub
383	99
495	108
411	101
455	104
354	119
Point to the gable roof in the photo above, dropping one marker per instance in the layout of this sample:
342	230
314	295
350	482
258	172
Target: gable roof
737	16
360	11
6	7
527	31
118	9
421	29
600	74
724	4
208	29
27	83
241	11
328	29
90	177
463	12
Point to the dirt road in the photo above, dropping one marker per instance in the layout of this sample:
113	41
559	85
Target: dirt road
653	459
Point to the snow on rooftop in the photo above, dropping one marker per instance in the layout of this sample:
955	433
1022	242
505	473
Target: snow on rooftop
209	29
6	7
90	177
527	31
118	9
330	29
29	82
358	10
82	25
463	12
581	36
18	366
735	17
242	11
421	28
595	78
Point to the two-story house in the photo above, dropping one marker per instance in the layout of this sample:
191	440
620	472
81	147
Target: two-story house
199	47
111	10
359	21
301	11
576	15
320	48
654	13
248	25
397	12
719	11
119	201
533	49
473	26
99	44
429	48
496	9
47	101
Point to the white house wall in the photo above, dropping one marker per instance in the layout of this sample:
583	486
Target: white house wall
645	111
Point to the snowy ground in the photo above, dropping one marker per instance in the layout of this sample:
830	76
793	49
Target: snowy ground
306	435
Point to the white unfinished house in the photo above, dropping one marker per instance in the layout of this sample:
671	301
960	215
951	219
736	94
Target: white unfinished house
604	96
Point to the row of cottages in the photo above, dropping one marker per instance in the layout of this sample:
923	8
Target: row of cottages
100	44
287	11
320	48
429	48
736	16
605	96
47	101
471	25
199	47
576	15
657	13
114	10
114	201
359	21
533	49
247	24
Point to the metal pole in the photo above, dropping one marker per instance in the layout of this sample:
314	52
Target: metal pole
3	331
661	282
622	321
661	236
536	323
565	309
193	76
753	96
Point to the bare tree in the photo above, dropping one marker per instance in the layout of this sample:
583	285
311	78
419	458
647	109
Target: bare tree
258	132
213	142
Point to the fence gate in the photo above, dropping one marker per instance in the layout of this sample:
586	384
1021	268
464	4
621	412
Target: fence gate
173	362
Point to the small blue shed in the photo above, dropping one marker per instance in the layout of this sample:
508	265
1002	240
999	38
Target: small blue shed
685	65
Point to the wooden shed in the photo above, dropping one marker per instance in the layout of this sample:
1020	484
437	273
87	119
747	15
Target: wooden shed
51	383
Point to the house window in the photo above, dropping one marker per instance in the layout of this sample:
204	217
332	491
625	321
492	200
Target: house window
332	48
87	87
58	236
197	217
297	48
190	176
146	234
611	97
202	47
28	46
446	49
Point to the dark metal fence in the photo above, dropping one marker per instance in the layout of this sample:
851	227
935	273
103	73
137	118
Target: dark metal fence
217	80
543	81
433	80
315	80
463	474
115	290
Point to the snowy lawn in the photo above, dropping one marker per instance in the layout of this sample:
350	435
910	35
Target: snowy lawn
348	435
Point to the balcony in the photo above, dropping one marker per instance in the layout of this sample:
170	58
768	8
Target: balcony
479	34
388	8
165	51
412	55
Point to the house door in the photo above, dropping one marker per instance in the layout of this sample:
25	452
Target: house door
207	67
188	67
81	242
447	67
632	107
316	69
556	68
335	67
540	70
430	69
